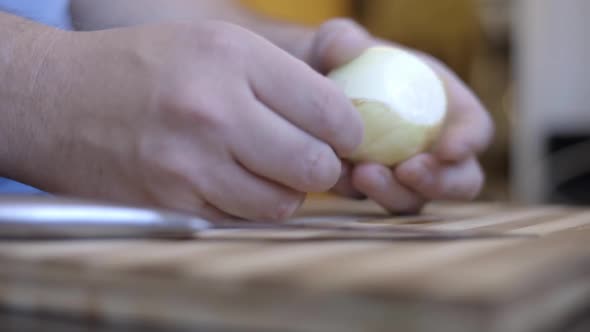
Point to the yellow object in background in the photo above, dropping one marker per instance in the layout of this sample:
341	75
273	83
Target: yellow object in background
308	12
447	29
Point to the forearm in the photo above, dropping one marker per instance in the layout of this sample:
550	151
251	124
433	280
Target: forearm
24	48
104	14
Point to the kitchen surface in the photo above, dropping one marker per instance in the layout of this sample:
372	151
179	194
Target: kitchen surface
338	266
515	259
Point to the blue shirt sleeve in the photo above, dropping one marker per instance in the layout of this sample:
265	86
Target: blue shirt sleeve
50	12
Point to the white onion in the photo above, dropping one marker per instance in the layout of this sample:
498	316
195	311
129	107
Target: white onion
402	102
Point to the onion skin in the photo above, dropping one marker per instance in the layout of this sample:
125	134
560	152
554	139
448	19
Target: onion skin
401	100
389	139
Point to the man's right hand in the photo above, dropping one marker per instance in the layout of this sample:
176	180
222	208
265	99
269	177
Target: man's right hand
206	118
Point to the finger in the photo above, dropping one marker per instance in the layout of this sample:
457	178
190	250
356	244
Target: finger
445	181
278	151
469	127
189	204
178	197
174	191
467	133
207	211
337	42
344	186
211	213
237	192
307	99
379	184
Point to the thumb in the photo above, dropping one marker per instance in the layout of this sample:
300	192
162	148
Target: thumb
337	42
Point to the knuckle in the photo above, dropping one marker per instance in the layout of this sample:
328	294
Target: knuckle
331	33
338	123
213	39
338	26
221	40
320	168
325	104
184	107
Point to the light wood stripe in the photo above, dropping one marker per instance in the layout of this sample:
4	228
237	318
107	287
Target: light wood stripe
391	270
277	258
174	266
288	270
501	273
261	234
32	250
553	226
521	223
458	210
421	219
498	219
364	221
163	256
327	220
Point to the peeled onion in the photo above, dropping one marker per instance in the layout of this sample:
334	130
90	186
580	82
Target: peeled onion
402	102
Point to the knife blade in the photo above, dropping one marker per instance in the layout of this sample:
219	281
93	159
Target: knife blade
51	217
62	217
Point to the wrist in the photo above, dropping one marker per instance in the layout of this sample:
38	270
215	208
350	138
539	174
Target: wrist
27	94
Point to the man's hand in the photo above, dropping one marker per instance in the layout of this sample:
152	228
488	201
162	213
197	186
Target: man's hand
207	118
449	172
212	119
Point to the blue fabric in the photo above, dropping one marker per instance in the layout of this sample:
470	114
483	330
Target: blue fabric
13	187
50	12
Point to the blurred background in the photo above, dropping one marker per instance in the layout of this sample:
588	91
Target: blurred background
528	61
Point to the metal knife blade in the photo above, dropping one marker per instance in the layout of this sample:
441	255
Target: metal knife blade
51	217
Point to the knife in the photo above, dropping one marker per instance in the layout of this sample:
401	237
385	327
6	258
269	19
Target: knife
54	217
61	217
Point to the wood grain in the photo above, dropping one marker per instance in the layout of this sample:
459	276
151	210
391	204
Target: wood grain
237	280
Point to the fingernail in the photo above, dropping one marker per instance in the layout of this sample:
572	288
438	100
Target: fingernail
288	209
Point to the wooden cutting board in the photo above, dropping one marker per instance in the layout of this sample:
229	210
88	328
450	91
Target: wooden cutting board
533	276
